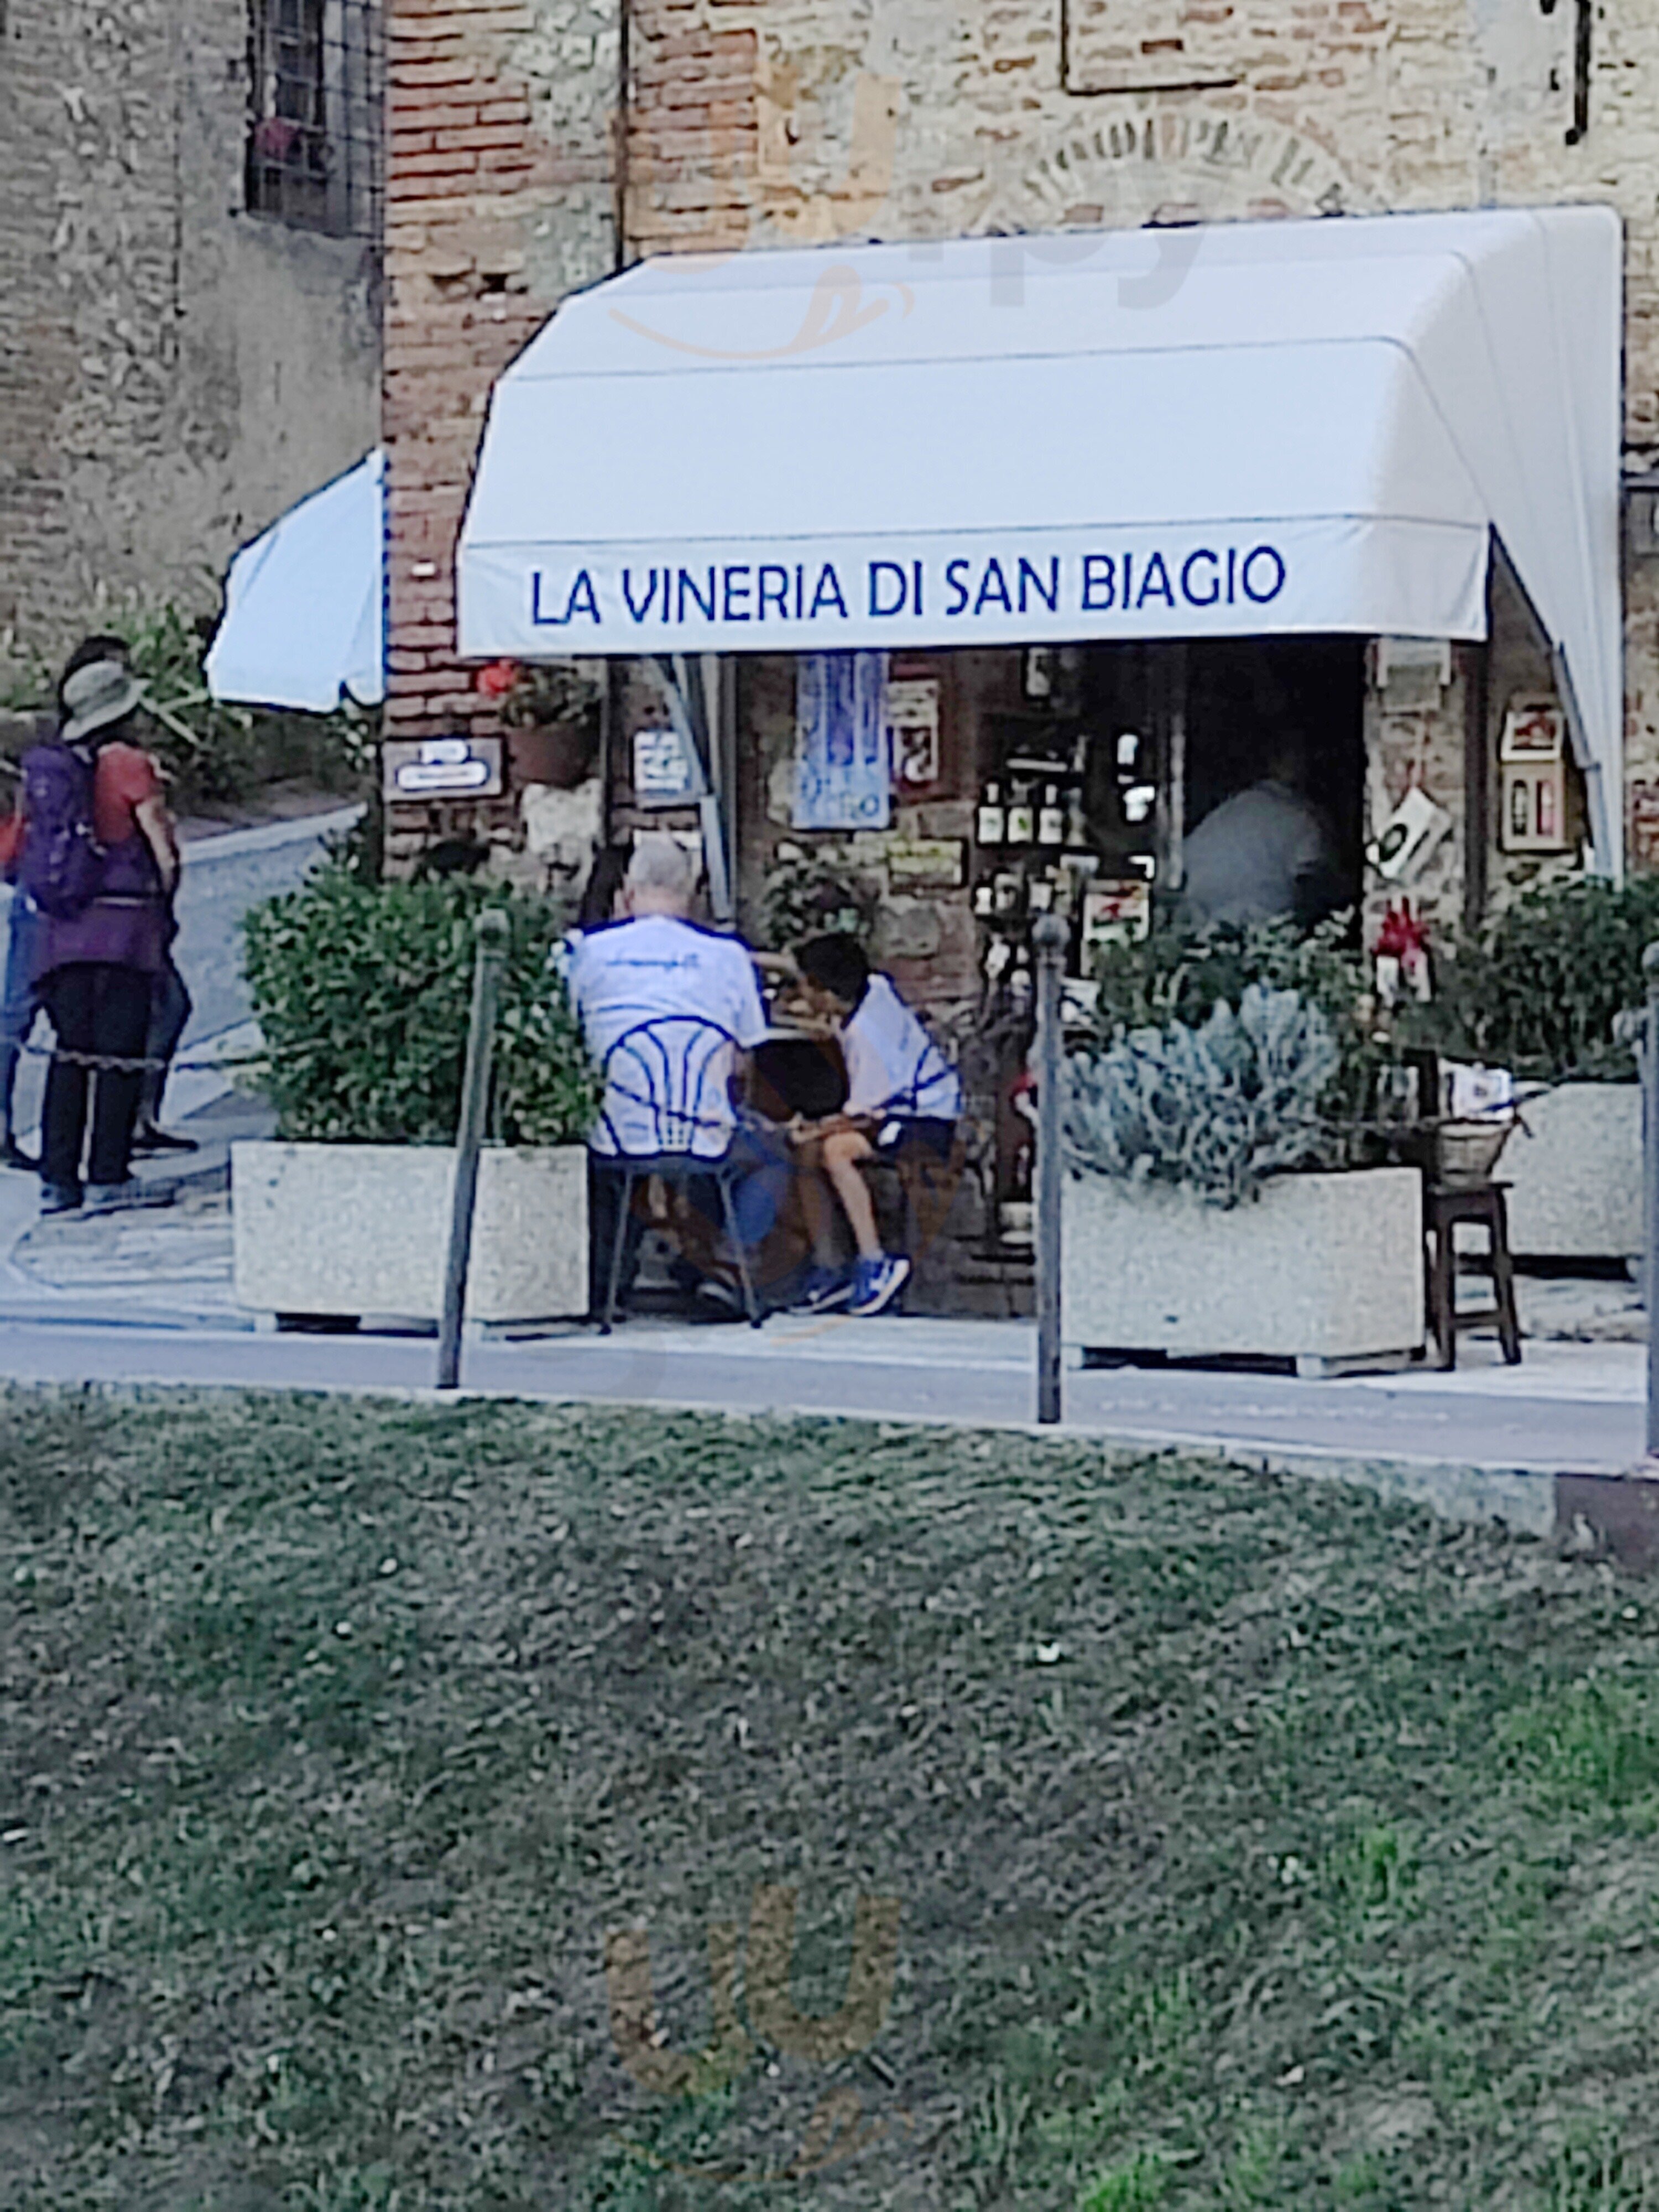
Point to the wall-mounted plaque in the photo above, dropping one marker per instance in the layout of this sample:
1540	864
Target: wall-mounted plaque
415	769
916	860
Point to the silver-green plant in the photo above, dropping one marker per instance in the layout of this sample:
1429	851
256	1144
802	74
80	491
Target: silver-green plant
1216	1110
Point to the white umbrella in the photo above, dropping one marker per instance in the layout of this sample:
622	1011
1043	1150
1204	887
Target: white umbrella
304	621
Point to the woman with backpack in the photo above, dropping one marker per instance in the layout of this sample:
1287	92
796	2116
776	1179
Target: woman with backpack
98	860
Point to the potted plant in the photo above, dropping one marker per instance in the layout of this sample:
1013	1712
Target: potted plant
362	994
550	714
1216	1201
808	893
1540	990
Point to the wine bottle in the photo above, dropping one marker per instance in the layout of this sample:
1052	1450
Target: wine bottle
992	823
1051	821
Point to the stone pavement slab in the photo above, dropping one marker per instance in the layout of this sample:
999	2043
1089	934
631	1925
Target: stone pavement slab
170	1268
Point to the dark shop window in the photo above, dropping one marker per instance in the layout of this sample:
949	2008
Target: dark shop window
316	132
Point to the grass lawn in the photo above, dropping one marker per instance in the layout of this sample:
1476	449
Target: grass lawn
1252	1843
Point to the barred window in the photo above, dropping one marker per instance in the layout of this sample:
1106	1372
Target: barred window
316	131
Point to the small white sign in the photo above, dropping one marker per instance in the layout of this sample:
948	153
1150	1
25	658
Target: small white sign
426	776
664	772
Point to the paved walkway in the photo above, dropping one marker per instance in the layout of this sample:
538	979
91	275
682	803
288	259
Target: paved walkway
147	1298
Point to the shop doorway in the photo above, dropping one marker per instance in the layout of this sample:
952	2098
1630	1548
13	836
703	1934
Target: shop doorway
1177	729
1249	701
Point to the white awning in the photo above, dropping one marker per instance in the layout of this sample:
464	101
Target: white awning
1237	430
304	624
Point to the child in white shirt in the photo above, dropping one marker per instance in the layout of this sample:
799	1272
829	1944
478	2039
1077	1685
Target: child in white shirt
901	1090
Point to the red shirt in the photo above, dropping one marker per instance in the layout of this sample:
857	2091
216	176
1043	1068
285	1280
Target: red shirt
123	779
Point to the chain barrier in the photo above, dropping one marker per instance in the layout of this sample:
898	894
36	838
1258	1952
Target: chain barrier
111	1063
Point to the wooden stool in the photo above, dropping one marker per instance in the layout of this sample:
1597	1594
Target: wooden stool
1444	1207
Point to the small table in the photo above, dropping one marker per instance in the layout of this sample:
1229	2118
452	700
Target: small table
1446	1207
797	1072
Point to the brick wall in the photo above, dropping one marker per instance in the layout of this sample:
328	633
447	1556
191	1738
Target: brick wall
767	121
501	198
172	372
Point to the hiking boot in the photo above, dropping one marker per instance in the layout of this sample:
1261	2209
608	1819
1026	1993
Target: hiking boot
60	1197
150	1141
127	1197
877	1283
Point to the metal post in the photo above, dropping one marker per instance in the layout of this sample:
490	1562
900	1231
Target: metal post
1050	936
492	935
1651	1154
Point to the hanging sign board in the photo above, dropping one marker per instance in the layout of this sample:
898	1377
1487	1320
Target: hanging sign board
1405	841
415	769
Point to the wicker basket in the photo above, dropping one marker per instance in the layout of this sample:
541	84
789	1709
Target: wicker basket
1465	1152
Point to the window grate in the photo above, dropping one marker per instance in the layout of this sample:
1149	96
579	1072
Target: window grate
316	141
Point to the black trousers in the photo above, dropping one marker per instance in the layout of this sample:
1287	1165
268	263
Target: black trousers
94	1008
170	1008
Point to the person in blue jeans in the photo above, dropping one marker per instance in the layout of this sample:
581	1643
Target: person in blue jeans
20	1001
18	1005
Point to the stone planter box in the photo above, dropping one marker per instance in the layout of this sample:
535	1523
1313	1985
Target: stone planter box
1321	1268
1577	1181
364	1229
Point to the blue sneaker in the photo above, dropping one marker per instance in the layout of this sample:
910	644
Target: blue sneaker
824	1288
877	1283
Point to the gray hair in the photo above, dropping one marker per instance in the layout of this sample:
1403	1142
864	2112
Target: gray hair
660	864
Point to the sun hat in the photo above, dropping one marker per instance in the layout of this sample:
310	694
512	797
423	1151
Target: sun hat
101	693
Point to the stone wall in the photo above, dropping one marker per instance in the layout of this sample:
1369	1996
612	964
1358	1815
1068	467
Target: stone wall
173	373
754	123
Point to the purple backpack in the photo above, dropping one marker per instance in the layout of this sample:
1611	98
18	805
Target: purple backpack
61	866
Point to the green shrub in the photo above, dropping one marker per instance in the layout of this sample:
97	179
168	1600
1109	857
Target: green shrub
808	893
1540	989
363	990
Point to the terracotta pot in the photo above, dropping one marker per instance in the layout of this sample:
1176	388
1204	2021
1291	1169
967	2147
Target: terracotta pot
559	753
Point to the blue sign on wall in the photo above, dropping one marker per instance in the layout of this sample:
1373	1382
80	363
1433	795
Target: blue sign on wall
843	775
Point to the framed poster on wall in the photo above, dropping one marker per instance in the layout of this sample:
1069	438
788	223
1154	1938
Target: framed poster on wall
1533	758
913	729
843	768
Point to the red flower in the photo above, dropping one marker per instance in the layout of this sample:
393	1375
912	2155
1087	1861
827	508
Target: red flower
495	681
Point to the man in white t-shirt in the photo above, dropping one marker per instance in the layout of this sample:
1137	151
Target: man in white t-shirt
1262	855
901	1092
669	1088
